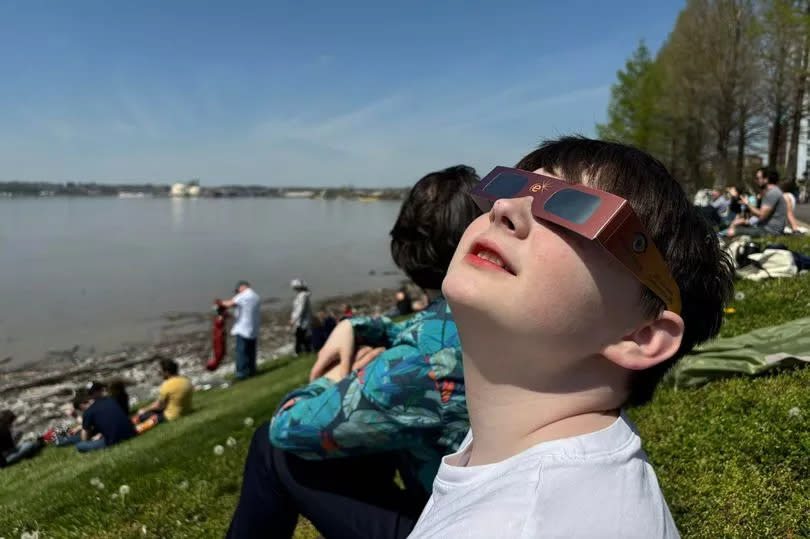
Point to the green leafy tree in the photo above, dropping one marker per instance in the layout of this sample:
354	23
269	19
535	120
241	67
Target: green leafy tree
633	111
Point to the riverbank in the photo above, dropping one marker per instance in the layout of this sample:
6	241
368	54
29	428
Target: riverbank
40	395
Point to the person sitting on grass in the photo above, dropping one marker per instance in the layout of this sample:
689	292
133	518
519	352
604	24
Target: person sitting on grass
117	390
322	325
174	396
104	424
93	390
10	452
573	296
771	216
331	451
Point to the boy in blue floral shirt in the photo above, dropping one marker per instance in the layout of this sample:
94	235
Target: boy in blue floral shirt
333	447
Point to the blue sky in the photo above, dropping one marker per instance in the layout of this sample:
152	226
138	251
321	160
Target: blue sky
300	92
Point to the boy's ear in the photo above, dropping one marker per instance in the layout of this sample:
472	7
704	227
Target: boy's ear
650	344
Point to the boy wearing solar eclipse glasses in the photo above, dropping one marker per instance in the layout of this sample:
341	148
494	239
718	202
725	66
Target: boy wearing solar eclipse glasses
589	275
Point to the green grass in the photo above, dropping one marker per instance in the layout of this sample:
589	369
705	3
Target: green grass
52	492
730	460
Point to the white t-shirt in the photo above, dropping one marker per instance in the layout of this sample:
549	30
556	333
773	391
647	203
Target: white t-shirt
248	314
594	485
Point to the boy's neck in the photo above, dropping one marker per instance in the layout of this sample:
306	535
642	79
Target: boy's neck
509	417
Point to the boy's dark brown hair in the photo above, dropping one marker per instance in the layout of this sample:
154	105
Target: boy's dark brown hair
701	269
431	222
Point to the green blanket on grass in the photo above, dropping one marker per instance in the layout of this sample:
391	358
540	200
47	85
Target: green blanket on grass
754	353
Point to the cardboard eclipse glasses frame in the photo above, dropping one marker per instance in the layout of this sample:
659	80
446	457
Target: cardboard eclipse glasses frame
593	214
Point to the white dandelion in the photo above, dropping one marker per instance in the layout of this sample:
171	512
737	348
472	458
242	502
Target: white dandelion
794	412
95	481
100	485
248	422
114	495
184	485
123	490
739	296
219	450
231	441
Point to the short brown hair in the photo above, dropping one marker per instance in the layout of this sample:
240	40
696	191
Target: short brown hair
701	269
169	366
431	222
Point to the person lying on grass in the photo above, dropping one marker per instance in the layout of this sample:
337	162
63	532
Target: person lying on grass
332	449
589	275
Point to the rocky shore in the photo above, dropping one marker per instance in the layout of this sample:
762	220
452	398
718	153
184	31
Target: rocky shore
40	396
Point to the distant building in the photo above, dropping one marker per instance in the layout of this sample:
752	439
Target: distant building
299	194
181	190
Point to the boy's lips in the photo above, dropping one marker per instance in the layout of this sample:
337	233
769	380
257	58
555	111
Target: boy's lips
484	254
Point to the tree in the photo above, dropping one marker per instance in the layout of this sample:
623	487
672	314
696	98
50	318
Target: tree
633	102
729	82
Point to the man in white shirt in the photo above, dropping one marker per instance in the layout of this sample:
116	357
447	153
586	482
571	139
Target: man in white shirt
245	328
567	298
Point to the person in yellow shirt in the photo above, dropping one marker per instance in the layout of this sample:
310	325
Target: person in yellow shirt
174	396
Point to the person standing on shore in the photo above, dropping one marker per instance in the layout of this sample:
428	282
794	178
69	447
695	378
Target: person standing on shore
301	316
245	328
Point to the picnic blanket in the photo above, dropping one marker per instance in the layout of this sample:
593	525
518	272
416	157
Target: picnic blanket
754	353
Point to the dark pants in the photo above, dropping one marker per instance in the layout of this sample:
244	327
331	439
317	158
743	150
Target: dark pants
90	445
342	497
302	342
24	451
753	231
245	357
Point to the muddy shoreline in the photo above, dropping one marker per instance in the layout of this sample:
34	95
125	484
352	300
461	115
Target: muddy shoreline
40	394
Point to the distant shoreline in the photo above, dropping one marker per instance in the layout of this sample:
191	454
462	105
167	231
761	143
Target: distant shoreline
192	191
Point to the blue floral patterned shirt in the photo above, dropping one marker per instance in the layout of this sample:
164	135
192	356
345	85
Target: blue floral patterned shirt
410	398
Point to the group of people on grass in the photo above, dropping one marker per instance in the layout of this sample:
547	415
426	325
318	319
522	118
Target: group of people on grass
561	291
102	412
769	212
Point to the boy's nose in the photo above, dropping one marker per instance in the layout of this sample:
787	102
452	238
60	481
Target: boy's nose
513	214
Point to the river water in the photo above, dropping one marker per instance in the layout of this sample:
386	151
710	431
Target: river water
101	273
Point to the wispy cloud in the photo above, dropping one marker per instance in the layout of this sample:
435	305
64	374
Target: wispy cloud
389	140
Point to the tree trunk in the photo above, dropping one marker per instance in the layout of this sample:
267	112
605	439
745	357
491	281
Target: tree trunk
777	126
798	105
742	138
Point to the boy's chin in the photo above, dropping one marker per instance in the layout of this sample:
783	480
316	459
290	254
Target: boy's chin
463	293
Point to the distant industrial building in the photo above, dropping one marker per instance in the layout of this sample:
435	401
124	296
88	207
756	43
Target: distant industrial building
183	190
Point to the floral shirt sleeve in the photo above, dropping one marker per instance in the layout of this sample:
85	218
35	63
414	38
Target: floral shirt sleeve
384	406
400	400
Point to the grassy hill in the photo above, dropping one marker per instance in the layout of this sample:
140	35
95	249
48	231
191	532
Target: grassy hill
730	458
